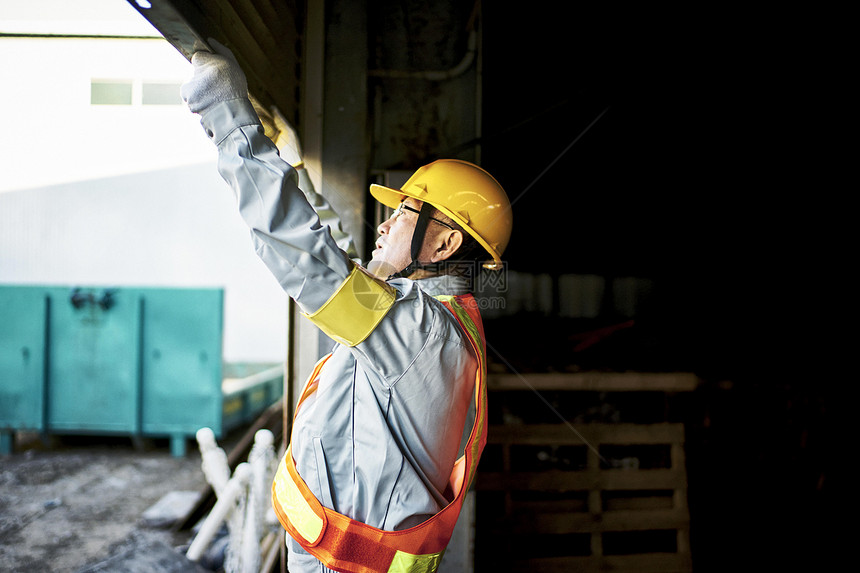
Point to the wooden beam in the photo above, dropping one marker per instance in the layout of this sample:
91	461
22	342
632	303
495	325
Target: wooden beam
596	434
596	381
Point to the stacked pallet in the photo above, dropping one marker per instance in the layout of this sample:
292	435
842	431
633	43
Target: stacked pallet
582	495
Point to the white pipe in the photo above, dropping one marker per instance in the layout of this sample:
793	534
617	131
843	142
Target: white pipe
250	550
220	511
216	469
259	460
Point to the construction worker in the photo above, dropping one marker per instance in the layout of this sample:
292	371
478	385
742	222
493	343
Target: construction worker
379	461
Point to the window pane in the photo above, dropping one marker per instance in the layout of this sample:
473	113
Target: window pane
161	94
110	92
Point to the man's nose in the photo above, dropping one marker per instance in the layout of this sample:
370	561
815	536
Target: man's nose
383	227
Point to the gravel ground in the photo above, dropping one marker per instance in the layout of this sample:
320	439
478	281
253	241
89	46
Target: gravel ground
76	505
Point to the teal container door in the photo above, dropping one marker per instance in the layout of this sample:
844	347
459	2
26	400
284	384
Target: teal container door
93	360
23	315
182	333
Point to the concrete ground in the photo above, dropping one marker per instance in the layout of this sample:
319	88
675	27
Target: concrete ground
78	505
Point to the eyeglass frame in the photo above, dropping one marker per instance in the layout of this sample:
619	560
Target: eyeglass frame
403	205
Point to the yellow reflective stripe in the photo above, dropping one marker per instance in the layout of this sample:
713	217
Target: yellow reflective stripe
477	446
480	393
466	320
355	309
407	563
295	506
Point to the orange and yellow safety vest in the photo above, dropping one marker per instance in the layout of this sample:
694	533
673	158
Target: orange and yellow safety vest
346	545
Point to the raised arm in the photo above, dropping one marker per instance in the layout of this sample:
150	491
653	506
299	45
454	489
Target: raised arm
285	228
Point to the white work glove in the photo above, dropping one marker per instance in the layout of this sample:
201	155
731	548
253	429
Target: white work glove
217	77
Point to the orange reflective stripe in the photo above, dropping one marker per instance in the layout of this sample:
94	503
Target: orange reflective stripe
307	517
467	313
313	380
346	545
290	495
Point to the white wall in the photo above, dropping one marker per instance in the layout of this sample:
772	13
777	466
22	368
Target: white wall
118	195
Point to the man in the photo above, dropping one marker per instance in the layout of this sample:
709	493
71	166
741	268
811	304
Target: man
376	472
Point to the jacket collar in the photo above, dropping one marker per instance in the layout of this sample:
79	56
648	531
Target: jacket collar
444	284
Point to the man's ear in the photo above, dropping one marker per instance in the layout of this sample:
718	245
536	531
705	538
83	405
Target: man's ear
447	244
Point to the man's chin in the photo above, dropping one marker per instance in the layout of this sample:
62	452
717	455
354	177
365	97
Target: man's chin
376	267
381	269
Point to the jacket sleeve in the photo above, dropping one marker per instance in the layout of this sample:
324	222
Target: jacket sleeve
328	217
285	229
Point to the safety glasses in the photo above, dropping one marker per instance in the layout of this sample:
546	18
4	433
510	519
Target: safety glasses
404	206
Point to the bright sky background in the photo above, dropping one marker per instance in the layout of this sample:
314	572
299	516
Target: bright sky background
118	195
114	17
51	132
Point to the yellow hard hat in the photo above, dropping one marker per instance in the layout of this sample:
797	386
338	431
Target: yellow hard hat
464	192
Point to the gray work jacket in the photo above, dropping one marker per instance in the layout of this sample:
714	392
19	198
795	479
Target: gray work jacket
379	438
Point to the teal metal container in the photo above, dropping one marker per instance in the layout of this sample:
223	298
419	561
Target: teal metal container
23	362
136	361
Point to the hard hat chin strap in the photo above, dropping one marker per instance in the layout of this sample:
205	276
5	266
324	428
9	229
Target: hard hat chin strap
417	243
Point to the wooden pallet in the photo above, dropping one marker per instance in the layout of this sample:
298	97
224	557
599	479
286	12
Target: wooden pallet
608	497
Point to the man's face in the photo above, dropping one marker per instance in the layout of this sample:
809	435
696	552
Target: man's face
394	244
